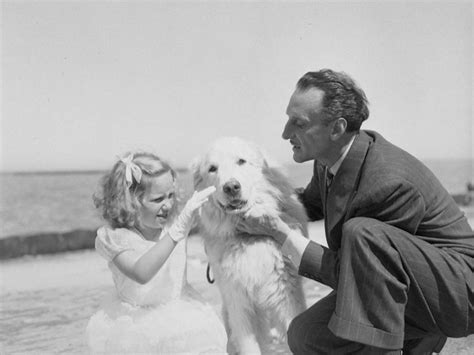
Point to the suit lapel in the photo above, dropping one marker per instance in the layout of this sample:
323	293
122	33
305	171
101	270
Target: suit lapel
344	184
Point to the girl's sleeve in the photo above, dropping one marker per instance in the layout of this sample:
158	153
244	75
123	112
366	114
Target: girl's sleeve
111	242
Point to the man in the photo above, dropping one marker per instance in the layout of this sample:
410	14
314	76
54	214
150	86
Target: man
401	253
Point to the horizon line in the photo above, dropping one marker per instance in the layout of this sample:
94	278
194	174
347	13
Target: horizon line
178	169
64	172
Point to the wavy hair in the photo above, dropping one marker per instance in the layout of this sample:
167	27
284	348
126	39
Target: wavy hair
118	201
342	96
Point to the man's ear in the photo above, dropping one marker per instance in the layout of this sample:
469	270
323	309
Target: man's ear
339	128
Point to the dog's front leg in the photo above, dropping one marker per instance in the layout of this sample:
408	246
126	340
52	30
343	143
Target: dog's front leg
225	317
240	317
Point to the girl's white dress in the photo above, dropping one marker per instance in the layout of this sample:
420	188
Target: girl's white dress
164	316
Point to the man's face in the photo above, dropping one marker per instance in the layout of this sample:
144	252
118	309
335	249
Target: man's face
308	135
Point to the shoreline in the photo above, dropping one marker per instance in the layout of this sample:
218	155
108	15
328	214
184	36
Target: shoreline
69	287
44	243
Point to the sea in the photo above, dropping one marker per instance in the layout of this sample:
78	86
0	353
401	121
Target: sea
62	201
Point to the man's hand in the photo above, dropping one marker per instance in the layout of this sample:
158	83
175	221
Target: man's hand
271	225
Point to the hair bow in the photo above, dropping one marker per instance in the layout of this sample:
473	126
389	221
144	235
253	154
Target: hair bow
132	170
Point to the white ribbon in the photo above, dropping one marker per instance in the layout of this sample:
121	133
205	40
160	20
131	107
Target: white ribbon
132	170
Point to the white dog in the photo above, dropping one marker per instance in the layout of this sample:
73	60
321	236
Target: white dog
261	290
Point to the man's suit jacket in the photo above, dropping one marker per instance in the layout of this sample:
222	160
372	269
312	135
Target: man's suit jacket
381	181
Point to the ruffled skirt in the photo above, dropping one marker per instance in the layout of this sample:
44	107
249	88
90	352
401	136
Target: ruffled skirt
184	326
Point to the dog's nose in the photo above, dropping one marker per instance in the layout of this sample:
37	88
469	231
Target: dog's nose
232	187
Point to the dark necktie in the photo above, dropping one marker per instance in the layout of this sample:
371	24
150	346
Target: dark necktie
328	182
329	178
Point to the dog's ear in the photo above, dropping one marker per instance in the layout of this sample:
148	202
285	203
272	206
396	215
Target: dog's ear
268	161
195	168
275	173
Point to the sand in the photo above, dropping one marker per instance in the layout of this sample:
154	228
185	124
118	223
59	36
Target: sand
69	286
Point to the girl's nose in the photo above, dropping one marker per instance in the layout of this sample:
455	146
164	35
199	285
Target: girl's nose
167	205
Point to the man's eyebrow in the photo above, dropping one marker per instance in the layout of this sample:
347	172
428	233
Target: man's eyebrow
299	118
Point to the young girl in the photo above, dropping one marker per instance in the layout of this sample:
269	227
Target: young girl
153	310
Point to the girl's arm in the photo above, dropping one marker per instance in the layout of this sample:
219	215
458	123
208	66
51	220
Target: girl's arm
143	268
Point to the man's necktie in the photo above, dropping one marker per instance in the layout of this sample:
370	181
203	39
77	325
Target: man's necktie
329	178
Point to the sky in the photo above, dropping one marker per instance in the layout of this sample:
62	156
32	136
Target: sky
85	82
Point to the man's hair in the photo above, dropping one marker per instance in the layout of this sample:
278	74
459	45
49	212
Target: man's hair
342	96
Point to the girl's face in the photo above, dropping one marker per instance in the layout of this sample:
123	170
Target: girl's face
157	202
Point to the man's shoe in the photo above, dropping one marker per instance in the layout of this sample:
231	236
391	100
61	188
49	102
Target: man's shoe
424	346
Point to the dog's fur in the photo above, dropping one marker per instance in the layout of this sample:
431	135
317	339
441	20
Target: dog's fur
261	290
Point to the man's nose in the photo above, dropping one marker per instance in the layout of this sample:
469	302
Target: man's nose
287	132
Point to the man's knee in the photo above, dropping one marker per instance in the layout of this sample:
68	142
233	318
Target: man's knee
358	230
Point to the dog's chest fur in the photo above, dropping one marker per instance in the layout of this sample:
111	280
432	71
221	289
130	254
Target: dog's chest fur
245	260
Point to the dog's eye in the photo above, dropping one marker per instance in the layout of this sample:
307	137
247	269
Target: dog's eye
212	169
241	161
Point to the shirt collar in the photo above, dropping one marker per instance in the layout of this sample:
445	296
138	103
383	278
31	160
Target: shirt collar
335	167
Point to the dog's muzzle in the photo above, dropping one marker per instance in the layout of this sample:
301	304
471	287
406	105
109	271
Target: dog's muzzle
233	206
232	188
233	197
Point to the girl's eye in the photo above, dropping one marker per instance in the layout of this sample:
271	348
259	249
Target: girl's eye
241	161
159	199
212	169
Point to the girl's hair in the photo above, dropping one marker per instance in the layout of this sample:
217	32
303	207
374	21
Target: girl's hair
119	199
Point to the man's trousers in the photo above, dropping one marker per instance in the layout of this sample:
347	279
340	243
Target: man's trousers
395	291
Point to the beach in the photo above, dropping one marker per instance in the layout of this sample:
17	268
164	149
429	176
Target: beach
87	84
46	300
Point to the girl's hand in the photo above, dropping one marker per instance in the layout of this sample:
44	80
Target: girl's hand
199	198
181	227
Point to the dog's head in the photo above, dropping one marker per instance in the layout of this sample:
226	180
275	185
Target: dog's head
236	168
246	181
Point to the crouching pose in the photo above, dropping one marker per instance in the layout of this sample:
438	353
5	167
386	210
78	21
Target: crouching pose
401	253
